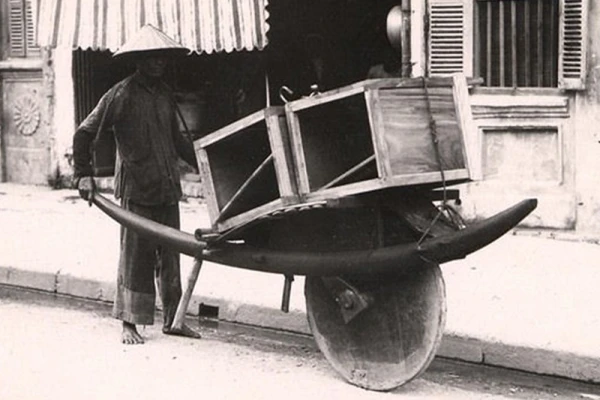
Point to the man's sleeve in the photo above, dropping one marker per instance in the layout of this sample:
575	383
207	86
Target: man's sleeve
84	136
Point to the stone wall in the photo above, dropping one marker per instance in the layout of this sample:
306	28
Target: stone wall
587	127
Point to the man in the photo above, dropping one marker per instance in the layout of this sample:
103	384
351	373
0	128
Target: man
141	113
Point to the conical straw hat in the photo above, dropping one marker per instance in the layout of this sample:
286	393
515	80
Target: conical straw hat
150	39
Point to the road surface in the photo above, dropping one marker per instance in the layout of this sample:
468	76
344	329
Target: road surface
57	348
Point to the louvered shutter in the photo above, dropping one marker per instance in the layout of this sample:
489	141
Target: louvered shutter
450	37
22	29
16	28
33	50
572	42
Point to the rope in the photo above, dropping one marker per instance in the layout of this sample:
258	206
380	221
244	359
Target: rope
435	141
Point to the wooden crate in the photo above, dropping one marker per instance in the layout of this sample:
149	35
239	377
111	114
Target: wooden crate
246	169
377	133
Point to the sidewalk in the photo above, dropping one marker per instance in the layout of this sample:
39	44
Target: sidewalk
523	302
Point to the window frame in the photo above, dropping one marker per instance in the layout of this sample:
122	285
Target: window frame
573	28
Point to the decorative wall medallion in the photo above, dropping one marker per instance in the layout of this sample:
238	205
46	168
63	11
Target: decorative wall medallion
27	115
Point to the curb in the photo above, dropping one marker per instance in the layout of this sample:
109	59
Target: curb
528	359
454	346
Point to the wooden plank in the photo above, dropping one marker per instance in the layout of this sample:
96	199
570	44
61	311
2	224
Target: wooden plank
369	84
208	184
250	215
450	147
429	177
470	139
513	38
377	133
476	44
410	147
489	47
325	97
539	47
396	83
245	185
452	176
407	132
436	92
346	190
527	36
553	47
279	141
235	127
468	37
348	173
502	45
297	151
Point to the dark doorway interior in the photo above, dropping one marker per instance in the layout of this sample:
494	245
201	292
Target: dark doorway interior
330	43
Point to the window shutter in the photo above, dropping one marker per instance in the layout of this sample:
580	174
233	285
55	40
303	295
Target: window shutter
16	28
572	44
33	50
22	29
450	37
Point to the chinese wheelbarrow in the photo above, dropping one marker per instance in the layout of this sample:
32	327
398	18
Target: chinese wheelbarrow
375	296
343	188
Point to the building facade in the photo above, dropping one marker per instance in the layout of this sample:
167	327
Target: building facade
537	107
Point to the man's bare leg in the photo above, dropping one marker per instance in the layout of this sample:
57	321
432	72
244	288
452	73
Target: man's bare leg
130	334
185	331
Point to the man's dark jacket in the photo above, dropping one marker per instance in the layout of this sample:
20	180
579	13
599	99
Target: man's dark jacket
143	117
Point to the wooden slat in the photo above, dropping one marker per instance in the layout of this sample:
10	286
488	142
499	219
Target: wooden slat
552	47
332	95
489	47
476	34
527	36
513	37
461	175
372	98
348	173
249	216
539	48
230	129
297	151
245	185
280	146
502	45
468	128
208	184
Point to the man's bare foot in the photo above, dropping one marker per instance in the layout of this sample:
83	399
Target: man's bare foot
185	331
130	334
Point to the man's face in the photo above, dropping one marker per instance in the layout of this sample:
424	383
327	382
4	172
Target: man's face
153	66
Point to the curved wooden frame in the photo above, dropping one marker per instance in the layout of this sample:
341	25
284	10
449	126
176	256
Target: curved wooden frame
377	261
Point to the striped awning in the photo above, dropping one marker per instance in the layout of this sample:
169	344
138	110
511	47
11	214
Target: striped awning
200	25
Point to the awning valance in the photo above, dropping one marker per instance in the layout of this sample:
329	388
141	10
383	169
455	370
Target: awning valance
200	25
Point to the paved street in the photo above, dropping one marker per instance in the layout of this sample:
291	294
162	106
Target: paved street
65	349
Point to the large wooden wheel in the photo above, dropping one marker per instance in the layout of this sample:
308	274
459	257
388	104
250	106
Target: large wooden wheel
390	342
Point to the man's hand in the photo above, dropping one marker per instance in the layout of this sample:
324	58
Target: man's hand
86	186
